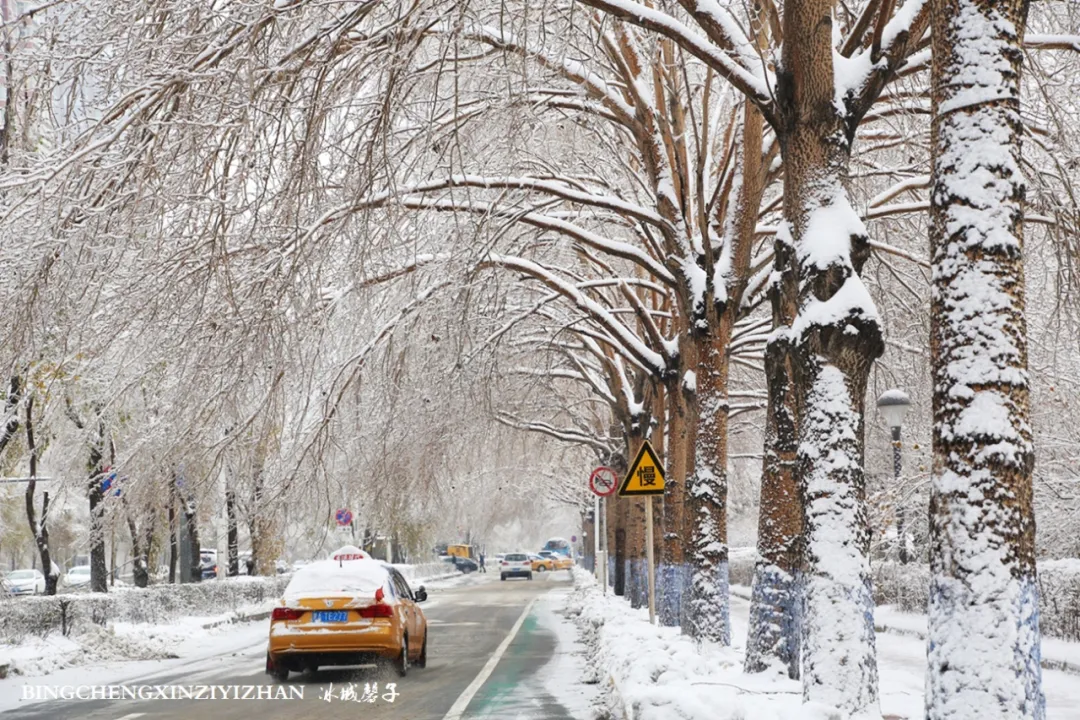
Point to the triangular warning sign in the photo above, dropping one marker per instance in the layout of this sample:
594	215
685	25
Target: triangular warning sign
646	476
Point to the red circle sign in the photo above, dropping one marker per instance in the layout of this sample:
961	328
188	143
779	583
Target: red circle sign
603	481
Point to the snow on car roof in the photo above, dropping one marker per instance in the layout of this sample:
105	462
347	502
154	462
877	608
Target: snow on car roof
332	578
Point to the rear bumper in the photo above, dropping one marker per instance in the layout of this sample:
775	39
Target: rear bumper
512	573
377	640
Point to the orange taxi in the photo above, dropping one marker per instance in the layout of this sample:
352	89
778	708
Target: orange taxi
541	563
347	610
555	561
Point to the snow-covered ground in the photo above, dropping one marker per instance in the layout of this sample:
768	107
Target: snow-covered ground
567	677
655	673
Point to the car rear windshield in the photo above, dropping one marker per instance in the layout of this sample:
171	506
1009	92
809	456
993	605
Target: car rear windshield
328	578
516	557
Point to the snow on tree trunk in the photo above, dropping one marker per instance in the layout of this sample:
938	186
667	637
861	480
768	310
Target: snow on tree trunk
835	338
708	612
775	603
984	646
839	665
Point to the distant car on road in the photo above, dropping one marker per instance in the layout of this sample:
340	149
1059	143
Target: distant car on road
541	563
26	582
78	576
466	565
208	564
515	565
561	562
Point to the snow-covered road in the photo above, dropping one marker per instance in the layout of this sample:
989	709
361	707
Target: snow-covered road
497	650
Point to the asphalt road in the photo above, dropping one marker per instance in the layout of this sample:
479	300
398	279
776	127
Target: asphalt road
470	624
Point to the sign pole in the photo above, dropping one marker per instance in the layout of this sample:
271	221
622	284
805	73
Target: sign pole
645	479
596	537
651	559
603	565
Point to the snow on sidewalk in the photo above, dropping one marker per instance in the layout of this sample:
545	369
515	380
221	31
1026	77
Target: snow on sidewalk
656	673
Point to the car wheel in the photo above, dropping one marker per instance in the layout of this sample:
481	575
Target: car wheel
402	663
540	569
278	671
530	576
503	577
421	662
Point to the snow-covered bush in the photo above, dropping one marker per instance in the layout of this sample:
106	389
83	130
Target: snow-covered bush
907	588
42	616
741	569
416	574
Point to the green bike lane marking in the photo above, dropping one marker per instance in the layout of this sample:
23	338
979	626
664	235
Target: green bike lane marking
516	687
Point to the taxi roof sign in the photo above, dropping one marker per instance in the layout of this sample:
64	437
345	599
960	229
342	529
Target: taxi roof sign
349	552
646	476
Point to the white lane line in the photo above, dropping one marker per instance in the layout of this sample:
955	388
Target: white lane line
458	708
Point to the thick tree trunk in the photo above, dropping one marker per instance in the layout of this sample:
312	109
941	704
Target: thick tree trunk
674	573
775	605
835	339
984	640
707	612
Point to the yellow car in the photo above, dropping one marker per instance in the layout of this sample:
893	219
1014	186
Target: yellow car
541	564
348	610
558	562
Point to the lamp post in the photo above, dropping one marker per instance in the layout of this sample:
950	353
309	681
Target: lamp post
893	405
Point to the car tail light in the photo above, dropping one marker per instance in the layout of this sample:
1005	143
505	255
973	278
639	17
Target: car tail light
286	614
378	610
504	563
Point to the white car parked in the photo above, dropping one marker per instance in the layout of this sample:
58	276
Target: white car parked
26	582
77	576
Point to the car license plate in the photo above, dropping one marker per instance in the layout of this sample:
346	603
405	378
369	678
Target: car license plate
330	616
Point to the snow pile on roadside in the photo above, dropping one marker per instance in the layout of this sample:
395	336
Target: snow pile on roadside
91	646
568	676
656	673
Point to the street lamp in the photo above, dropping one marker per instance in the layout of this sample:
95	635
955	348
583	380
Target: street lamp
893	405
